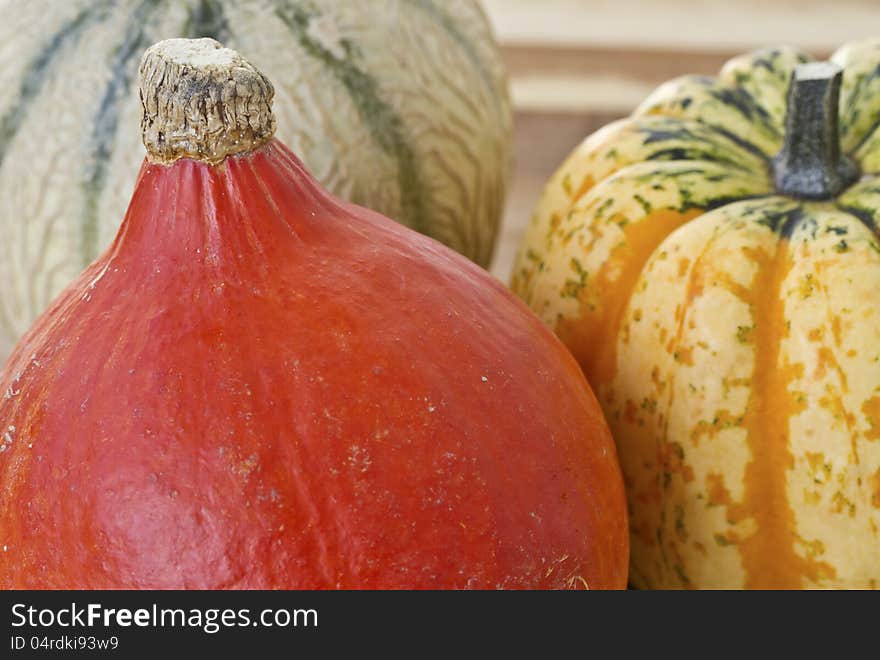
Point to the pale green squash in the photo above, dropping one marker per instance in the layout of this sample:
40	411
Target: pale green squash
399	105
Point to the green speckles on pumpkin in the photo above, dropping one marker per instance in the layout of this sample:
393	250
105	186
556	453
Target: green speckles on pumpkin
806	286
680	529
812	549
721	420
687	201
574	287
722	540
603	208
842	504
572	232
745	334
818	469
679	571
566	184
533	256
644	203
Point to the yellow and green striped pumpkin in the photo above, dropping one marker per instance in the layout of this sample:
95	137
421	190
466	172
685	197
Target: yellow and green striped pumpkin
398	105
727	313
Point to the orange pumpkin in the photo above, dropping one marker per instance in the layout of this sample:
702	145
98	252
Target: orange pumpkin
712	262
262	386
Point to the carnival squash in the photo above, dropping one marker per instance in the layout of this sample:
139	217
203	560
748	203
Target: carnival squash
400	107
260	385
713	263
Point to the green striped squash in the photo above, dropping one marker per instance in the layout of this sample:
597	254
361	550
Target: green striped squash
398	105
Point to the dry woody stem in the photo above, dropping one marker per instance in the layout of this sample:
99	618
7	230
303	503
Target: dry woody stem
202	101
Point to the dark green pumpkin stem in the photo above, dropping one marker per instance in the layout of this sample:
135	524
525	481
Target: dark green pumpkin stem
810	164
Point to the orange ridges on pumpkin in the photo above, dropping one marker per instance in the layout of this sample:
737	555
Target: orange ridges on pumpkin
768	554
592	336
767	551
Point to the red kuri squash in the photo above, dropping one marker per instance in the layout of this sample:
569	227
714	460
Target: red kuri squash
262	386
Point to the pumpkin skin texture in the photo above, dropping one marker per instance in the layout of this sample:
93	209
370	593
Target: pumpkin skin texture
402	107
729	330
260	385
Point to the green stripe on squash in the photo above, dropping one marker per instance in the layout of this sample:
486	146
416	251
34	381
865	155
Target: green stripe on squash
123	69
36	73
385	124
207	19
